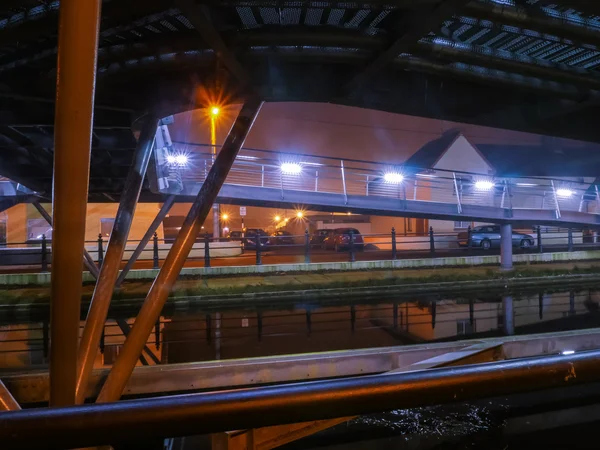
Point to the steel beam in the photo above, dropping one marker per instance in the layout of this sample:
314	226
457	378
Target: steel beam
109	271
88	261
150	311
419	24
198	15
181	415
164	210
77	55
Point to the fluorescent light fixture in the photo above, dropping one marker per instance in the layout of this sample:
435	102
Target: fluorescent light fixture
308	163
393	177
568	352
564	193
484	185
526	184
247	157
426	175
291	168
179	160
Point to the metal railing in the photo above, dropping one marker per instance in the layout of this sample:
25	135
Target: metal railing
310	248
309	173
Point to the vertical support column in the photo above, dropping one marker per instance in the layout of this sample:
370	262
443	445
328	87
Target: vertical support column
100	250
44	254
114	254
152	307
206	250
164	210
431	242
306	247
508	327
155	254
394	250
506	247
540	245
79	23
570	239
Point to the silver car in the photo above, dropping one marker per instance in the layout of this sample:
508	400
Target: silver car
488	236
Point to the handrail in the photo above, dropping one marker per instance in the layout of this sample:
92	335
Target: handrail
182	415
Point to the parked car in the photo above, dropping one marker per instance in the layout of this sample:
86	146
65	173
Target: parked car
282	237
317	238
254	235
235	236
340	240
488	236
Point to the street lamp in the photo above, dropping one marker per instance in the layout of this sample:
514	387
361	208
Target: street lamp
277	219
484	185
214	111
225	217
291	168
393	177
299	214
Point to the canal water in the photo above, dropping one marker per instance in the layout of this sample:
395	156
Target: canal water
195	331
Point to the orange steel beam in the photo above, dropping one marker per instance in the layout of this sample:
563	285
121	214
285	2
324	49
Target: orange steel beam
76	80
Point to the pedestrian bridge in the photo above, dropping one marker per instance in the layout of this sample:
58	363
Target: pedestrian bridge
285	180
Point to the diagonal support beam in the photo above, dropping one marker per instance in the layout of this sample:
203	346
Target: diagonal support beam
153	305
198	15
125	329
7	401
419	24
164	210
109	271
88	261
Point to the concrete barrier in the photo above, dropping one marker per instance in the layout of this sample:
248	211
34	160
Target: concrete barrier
23	279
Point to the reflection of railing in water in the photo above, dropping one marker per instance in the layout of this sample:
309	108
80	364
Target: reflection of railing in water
262	168
272	330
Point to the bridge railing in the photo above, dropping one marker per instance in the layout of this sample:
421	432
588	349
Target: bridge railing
349	177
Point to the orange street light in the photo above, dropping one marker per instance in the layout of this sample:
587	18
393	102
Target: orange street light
215	111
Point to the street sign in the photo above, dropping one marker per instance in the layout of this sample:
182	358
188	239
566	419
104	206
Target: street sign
242	211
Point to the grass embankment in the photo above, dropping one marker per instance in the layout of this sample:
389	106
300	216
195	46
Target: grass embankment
341	283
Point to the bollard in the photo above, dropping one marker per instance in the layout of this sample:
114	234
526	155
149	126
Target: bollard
352	249
155	251
206	250
100	250
431	242
258	250
394	251
306	247
469	239
570	239
44	254
157	334
539	240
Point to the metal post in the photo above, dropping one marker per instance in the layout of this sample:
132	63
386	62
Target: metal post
469	239
76	76
46	338
570	239
394	254
155	254
506	247
206	250
458	205
555	199
352	249
100	250
539	240
471	311
431	242
306	247
344	184
433	313
395	315
509	316
88	261
258	250
109	269
316	181
367	189
152	307
164	210
157	334
541	305
44	254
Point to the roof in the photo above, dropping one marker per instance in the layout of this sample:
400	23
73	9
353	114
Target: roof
526	65
542	161
429	154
